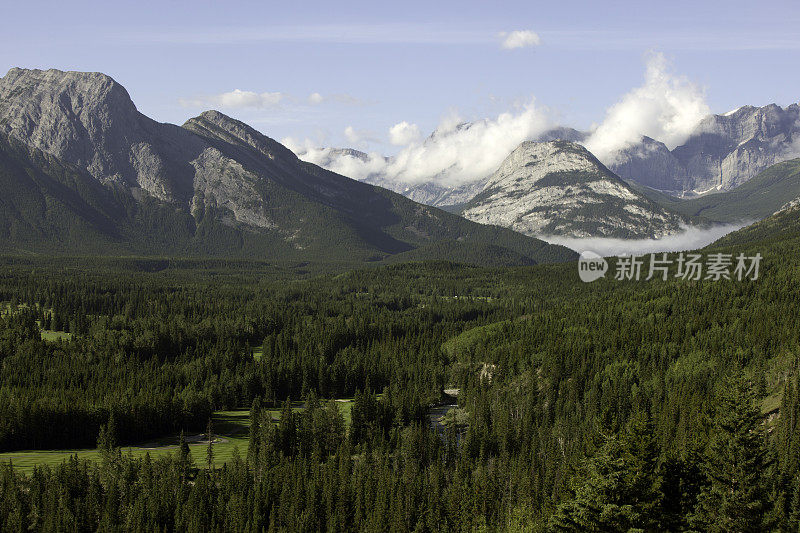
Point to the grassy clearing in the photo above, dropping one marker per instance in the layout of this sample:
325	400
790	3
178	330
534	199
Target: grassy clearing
258	352
772	403
345	406
6	308
53	336
231	430
230	427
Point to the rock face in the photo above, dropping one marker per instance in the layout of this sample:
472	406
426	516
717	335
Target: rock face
727	150
81	170
559	188
789	206
89	121
432	193
723	152
652	164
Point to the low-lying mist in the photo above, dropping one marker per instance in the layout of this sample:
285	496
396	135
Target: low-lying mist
691	238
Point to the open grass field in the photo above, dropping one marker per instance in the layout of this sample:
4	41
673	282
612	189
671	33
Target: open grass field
52	336
230	428
7	308
258	352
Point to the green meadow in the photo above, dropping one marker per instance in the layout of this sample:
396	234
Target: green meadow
230	428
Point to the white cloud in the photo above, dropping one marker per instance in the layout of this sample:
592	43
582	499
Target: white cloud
667	108
691	238
352	135
403	134
236	99
457	152
519	39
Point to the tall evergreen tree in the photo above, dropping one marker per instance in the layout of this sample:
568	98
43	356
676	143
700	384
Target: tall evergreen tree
210	447
620	489
737	498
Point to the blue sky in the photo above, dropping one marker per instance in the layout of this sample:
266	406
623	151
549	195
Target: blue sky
373	65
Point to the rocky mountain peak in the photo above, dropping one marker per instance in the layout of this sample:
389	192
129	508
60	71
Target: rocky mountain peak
650	163
543	158
560	188
722	152
25	92
88	120
213	124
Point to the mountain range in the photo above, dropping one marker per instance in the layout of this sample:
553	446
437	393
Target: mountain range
719	174
721	153
756	199
82	171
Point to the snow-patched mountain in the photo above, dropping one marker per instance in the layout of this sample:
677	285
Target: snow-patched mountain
722	152
560	188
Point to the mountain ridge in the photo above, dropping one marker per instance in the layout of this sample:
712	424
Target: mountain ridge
114	180
722	152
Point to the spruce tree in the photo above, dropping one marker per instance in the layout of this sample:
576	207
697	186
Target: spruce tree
737	497
254	446
210	448
184	456
620	489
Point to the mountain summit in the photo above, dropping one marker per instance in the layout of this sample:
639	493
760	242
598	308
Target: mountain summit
83	171
560	188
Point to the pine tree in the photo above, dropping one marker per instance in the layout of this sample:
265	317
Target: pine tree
107	437
254	446
737	497
185	460
620	489
794	516
210	448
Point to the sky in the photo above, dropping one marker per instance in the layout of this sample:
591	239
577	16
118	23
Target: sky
382	76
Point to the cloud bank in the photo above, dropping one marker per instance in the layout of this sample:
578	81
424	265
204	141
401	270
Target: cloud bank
236	99
691	238
519	39
403	134
667	108
239	99
457	152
